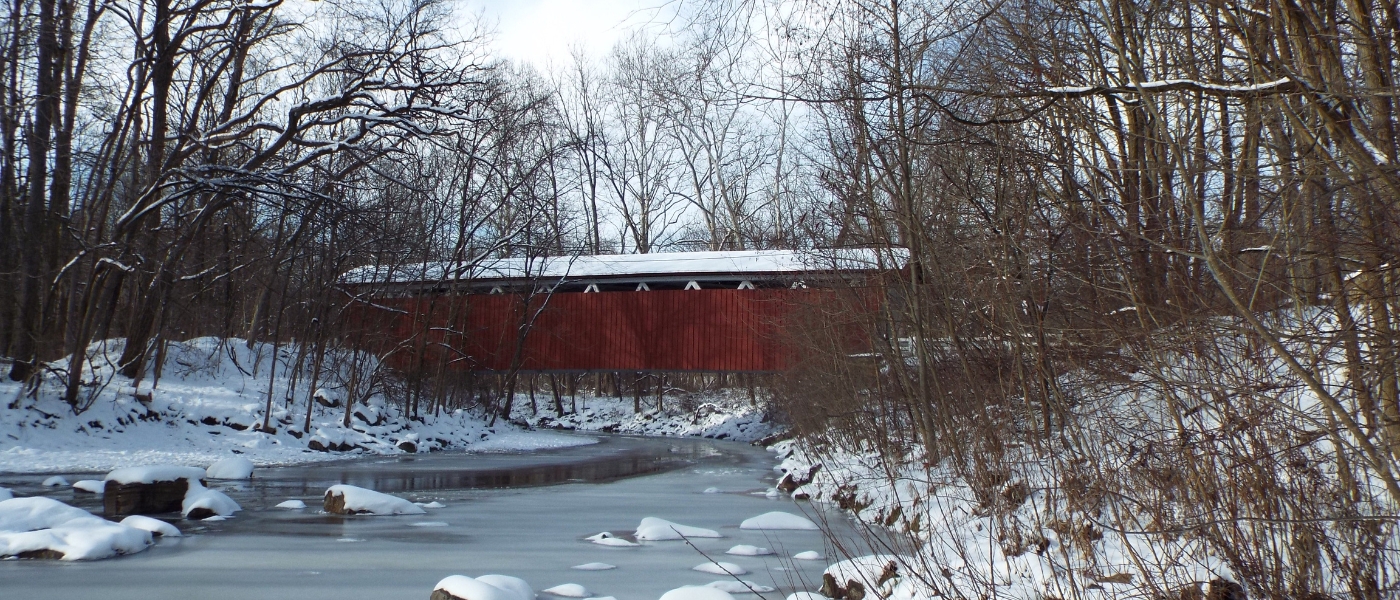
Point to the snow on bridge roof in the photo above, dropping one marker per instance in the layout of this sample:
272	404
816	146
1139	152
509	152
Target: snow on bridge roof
729	262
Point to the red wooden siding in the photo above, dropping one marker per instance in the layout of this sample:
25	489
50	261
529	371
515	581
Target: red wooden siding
663	330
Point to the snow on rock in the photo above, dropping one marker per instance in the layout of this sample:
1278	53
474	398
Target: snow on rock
739	587
514	585
778	520
654	529
720	568
154	473
569	590
594	566
46	528
91	486
55	481
351	500
461	587
747	550
615	542
693	592
291	504
155	526
809	555
202	503
877	572
234	467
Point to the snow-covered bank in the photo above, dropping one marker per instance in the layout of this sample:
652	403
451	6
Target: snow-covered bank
726	414
209	403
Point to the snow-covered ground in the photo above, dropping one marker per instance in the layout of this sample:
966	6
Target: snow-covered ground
209	404
726	414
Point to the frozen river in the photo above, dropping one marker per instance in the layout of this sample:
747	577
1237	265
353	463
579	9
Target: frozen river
520	514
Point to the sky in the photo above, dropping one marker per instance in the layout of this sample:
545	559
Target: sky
541	31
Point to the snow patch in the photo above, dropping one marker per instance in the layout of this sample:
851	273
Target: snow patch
720	568
747	550
778	520
654	529
694	592
739	587
594	566
809	555
569	590
292	504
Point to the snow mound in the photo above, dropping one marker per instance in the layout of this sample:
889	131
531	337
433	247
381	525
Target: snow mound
360	500
47	526
809	555
467	588
234	467
91	486
805	596
213	501
55	481
514	585
154	473
569	590
711	490
155	526
6	494
429	524
721	568
292	504
433	504
615	542
654	529
594	566
747	550
600	536
739	587
778	520
215	518
692	592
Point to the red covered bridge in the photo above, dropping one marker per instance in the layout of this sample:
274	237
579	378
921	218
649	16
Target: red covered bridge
692	311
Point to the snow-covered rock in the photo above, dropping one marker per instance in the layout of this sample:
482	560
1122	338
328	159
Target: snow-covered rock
594	566
720	568
711	490
155	526
91	486
461	587
747	550
291	504
809	555
739	587
569	590
234	467
46	528
202	503
345	499
615	542
778	520
654	529
154	473
514	585
696	592
55	481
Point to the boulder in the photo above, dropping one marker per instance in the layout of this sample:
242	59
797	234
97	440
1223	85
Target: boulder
122	499
408	447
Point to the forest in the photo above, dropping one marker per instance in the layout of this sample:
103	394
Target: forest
1153	277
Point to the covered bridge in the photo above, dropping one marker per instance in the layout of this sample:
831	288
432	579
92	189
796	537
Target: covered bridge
684	311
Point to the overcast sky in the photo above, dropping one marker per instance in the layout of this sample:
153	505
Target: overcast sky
538	31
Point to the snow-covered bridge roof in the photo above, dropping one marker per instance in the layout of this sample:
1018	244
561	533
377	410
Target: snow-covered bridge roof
745	263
